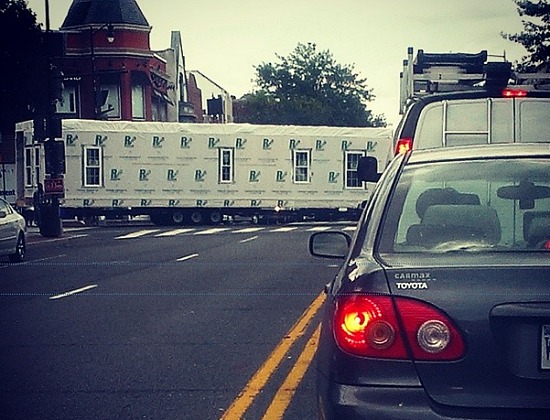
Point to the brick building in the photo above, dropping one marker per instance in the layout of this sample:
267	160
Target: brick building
110	71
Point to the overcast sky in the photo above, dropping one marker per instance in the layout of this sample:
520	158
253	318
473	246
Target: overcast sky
225	39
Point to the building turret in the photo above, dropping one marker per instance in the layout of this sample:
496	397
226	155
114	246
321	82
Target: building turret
109	68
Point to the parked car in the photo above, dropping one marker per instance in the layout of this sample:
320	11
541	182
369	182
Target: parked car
441	308
12	233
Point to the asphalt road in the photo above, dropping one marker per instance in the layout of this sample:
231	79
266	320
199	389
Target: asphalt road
162	323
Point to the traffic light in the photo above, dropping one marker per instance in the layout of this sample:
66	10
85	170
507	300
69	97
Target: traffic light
48	81
54	151
47	128
56	84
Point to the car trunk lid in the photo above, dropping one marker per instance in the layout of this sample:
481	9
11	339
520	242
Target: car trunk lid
502	308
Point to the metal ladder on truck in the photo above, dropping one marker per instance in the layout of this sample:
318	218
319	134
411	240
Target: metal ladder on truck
430	73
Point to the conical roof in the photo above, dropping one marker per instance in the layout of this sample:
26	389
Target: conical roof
89	12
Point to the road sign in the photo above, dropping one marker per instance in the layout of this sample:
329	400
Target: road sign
54	186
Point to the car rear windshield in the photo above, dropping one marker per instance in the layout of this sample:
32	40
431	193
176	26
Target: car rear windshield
478	205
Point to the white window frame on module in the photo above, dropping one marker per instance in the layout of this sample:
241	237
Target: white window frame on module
97	165
298	166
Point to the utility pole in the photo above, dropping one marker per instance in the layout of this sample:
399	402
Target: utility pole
50	218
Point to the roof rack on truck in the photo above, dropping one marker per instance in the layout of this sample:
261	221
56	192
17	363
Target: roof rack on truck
430	73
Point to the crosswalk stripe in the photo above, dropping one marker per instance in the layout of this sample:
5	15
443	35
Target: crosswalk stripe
318	228
284	229
137	234
174	232
248	230
210	231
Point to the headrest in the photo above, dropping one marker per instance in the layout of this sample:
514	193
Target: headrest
536	227
436	196
444	223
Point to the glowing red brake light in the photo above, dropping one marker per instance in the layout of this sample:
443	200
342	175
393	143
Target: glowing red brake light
514	93
403	146
369	326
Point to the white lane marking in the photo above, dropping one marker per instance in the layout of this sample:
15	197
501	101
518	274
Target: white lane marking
211	231
249	239
73	292
318	228
77	229
63	238
137	234
284	229
173	232
188	257
248	230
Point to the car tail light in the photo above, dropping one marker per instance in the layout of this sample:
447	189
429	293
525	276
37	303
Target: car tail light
385	327
403	146
514	93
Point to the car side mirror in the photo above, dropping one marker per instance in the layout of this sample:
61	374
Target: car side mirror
367	169
329	244
3	214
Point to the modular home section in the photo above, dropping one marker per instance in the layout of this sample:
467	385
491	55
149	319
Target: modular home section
229	167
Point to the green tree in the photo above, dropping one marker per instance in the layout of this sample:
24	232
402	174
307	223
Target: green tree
308	88
20	38
535	37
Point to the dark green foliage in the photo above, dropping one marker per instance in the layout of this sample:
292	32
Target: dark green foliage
308	88
535	36
20	38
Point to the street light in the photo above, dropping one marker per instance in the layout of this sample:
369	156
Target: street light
98	101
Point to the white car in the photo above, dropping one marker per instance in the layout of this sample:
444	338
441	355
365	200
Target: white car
12	233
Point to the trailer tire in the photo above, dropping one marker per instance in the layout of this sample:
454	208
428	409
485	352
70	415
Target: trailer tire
196	217
177	217
215	217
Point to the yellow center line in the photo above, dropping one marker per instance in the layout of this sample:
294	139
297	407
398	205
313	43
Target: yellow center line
284	395
246	397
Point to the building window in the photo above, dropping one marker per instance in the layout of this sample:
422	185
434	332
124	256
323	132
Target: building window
159	110
226	165
301	162
32	166
351	162
111	107
138	102
92	166
69	102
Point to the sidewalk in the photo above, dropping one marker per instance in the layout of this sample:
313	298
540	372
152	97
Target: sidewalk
69	228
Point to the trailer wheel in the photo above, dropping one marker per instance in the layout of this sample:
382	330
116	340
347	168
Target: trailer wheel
215	217
196	217
177	217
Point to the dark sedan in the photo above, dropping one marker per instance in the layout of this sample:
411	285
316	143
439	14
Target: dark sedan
441	308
